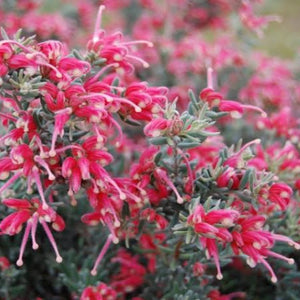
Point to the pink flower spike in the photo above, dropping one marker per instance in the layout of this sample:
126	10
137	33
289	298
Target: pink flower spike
98	23
23	245
52	241
101	254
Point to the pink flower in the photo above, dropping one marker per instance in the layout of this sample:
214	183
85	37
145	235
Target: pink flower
230	178
32	213
212	227
150	100
113	49
249	238
151	216
278	193
214	99
131	274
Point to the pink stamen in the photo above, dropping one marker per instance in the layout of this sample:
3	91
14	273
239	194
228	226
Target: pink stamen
101	254
149	44
73	200
141	190
123	100
52	241
212	251
62	116
15	43
52	151
210	81
97	132
186	161
98	22
7	116
254	142
255	108
279	256
113	212
140	60
23	245
33	231
266	264
171	185
45	165
40	145
40	188
108	222
46	64
10	181
117	125
132	196
103	70
114	184
95	187
69	147
135	186
282	238
29	185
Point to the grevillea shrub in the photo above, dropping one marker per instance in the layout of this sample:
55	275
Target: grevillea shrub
154	165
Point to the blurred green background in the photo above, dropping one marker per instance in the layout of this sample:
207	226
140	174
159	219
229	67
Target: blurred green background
281	39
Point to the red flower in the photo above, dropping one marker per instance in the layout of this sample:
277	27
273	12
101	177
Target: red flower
4	263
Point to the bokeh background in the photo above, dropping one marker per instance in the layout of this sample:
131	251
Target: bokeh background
280	39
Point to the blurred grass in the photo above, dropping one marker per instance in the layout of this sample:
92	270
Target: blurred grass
282	39
51	6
